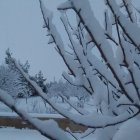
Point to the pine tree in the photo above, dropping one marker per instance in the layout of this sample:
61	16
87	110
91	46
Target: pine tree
25	89
40	80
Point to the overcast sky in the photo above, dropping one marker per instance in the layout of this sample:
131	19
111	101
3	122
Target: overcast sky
21	30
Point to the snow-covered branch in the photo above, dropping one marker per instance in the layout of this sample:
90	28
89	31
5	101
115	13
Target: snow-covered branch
105	62
98	36
125	24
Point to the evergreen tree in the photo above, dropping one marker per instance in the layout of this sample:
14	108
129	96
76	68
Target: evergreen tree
25	89
40	80
9	81
26	67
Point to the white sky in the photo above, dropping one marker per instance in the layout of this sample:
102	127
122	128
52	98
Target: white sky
21	31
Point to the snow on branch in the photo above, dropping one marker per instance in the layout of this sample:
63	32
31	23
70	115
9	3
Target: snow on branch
66	5
94	120
111	76
128	6
125	24
98	36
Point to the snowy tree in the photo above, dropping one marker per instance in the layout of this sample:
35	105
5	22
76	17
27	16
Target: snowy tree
26	67
56	88
9	81
20	86
112	77
64	90
40	80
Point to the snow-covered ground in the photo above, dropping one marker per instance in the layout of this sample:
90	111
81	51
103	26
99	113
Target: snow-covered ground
20	134
26	134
